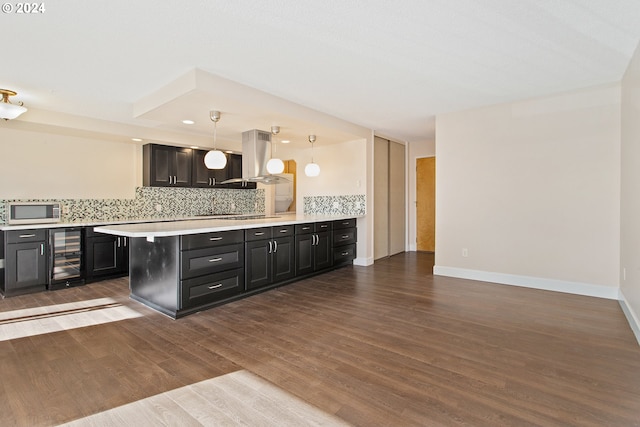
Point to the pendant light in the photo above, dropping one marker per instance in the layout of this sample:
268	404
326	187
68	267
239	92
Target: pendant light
8	110
274	165
312	169
215	159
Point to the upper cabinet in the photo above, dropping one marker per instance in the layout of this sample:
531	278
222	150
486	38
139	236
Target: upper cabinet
165	166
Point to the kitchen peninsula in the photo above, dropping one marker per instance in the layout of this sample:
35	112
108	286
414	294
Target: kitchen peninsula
183	267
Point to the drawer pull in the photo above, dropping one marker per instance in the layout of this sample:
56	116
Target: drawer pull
26	236
345	223
324	226
306	228
219	285
345	253
213	239
215	259
344	236
283	231
260	233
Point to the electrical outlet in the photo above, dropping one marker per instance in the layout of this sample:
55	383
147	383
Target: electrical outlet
465	252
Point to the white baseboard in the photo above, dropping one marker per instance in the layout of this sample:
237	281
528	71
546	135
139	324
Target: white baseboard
632	317
363	261
587	289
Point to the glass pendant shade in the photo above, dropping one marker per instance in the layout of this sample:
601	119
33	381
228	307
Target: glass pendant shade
275	166
312	169
9	111
215	159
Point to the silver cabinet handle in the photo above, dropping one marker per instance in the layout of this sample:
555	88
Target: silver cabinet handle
26	236
41	248
345	253
259	233
344	236
175	179
345	223
214	239
215	259
275	246
324	226
270	246
125	241
118	242
215	286
213	181
283	231
306	228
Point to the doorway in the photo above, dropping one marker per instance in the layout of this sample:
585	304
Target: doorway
426	204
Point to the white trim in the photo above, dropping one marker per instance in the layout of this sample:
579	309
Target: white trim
631	316
587	289
363	261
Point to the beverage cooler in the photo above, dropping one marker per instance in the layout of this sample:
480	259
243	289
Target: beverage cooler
65	258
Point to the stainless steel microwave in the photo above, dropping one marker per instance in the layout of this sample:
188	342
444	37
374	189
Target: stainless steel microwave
32	212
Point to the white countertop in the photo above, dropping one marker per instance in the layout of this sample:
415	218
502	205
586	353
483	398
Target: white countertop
151	230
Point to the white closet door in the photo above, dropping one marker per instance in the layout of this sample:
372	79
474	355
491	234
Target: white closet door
397	202
380	198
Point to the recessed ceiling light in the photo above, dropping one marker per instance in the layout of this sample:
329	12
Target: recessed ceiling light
136	139
285	141
195	147
188	122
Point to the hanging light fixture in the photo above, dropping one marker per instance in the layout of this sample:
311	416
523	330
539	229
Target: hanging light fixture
8	110
274	165
215	159
312	169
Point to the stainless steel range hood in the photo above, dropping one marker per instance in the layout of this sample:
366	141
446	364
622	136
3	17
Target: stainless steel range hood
256	152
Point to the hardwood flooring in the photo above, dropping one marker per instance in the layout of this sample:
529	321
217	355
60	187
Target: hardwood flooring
386	345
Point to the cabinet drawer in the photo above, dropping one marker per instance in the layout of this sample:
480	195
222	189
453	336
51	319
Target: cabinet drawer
304	228
323	226
344	223
261	233
344	254
212	287
206	240
199	262
344	237
25	236
282	231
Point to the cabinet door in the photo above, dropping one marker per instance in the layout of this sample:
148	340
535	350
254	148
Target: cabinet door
323	251
104	255
284	266
200	176
258	263
161	164
26	266
182	167
304	253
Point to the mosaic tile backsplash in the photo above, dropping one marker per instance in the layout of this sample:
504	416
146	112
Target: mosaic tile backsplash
157	203
335	205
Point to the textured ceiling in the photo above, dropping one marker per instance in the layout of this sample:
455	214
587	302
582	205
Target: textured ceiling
387	65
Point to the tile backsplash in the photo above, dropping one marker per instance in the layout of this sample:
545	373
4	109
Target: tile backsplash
156	203
335	205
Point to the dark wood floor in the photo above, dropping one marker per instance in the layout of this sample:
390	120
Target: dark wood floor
388	344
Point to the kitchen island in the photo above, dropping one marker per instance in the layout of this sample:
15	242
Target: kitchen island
183	267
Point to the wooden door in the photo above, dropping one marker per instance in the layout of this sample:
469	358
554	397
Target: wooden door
426	204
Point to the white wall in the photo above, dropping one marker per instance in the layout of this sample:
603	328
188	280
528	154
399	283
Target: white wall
532	190
630	195
47	165
416	150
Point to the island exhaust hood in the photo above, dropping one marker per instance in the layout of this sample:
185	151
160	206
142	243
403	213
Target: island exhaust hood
256	151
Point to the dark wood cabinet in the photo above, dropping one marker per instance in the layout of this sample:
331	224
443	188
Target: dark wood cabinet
26	256
313	247
202	176
345	236
166	166
269	256
105	255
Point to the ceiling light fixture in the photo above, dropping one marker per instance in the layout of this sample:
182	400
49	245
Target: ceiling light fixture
136	139
215	159
188	122
312	169
274	165
9	111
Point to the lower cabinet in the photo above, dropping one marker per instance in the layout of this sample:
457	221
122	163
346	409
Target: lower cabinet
345	236
212	287
26	262
269	256
313	247
105	255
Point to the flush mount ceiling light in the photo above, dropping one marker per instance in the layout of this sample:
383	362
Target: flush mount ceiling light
215	159
188	122
274	165
9	111
312	169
